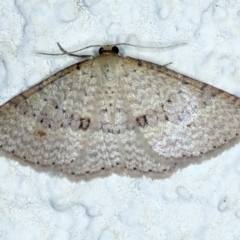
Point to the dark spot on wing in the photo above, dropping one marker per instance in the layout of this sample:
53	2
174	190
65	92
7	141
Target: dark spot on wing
140	63
203	86
142	121
84	123
41	133
78	66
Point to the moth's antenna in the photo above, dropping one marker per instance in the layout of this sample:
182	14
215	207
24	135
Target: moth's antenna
64	52
127	44
155	47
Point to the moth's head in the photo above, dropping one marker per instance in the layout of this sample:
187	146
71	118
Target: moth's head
109	49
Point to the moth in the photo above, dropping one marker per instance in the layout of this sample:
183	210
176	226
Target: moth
111	113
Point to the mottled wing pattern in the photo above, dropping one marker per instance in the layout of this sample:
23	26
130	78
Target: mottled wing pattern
178	116
49	124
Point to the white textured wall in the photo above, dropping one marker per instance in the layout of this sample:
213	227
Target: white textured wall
198	202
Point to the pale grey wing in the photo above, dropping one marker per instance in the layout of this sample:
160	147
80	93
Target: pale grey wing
177	117
51	123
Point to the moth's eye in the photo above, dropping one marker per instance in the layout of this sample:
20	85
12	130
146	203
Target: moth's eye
101	50
115	49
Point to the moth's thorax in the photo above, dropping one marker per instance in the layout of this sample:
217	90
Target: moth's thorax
107	67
